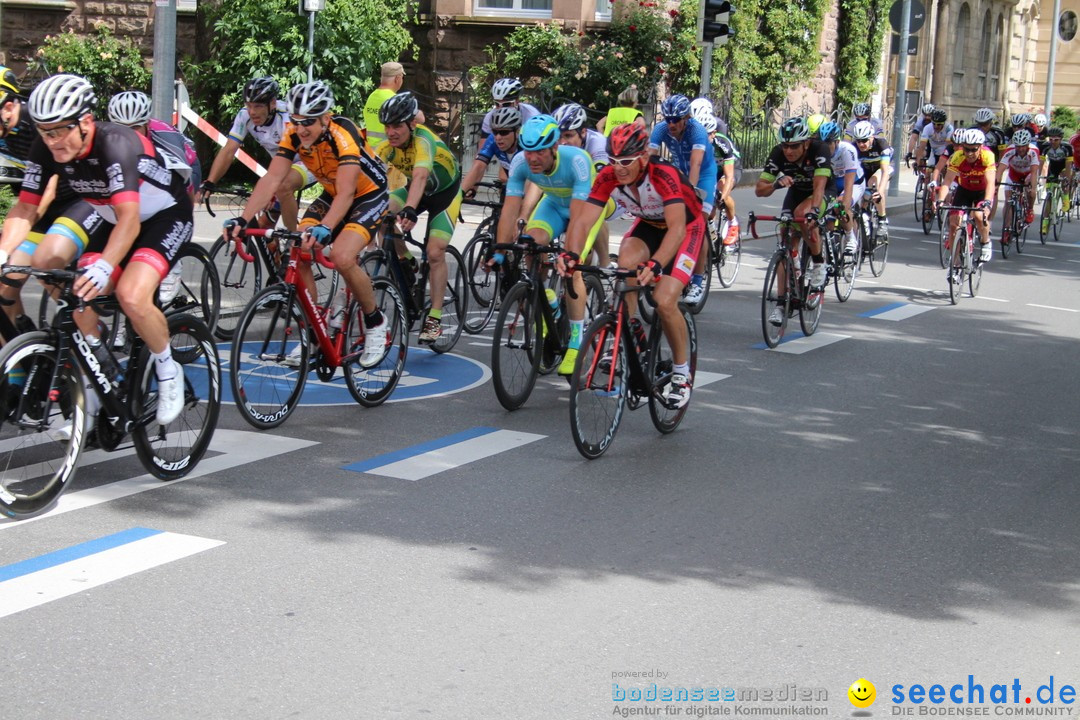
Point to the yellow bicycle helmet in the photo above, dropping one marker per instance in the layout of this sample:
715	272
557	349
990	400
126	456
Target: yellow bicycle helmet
814	122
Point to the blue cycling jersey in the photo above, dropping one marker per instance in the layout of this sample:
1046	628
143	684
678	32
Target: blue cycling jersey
694	137
491	150
570	179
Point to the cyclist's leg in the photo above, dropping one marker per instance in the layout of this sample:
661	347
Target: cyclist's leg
706	184
352	236
637	247
668	290
313	216
443	210
297	179
397	202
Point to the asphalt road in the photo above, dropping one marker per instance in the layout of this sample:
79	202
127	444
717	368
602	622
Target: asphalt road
895	505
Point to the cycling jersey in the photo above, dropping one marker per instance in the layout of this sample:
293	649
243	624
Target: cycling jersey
937	139
875	156
920	123
425	150
269	134
18	141
1020	166
340	144
119	166
844	161
694	137
527	111
490	150
995	140
661	184
1057	158
596	145
570	179
849	131
164	134
971	173
1075	142
814	163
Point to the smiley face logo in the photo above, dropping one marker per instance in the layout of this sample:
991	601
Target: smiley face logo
862	693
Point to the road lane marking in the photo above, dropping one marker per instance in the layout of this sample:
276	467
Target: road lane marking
435	456
797	343
58	574
1053	307
897	311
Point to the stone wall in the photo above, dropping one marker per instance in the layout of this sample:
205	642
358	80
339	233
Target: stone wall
819	94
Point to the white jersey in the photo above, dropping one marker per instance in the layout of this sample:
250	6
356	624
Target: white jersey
1020	165
596	146
849	131
268	135
938	139
846	160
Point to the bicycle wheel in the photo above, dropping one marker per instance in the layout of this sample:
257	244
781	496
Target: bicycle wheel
943	246
1046	217
812	300
38	455
516	347
372	386
200	287
661	366
598	388
879	251
1014	225
240	281
1058	218
957	262
1021	234
266	382
172	451
844	279
771	298
728	262
483	283
700	304
920	187
455	302
928	215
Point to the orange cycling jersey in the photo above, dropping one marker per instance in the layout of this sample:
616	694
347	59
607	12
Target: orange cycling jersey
971	174
341	144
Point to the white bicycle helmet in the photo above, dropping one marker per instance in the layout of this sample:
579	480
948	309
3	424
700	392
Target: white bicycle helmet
984	115
506	118
973	136
1021	137
1040	120
506	89
863	130
928	108
61	97
570	116
1020	119
709	123
310	99
130	108
702	108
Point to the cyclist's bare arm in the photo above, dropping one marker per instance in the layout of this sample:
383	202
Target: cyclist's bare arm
509	217
416	193
266	187
696	158
581	222
533	193
346	180
221	164
479	167
17	226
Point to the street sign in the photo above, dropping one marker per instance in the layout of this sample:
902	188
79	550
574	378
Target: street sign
912	44
915	19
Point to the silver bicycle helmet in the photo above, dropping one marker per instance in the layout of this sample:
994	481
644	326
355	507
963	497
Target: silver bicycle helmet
505	118
863	130
984	115
506	89
61	97
310	99
570	117
130	108
1021	137
399	109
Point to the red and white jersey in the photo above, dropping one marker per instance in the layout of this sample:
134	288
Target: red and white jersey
1020	165
661	184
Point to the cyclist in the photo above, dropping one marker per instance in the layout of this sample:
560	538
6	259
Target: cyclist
434	187
861	113
506	92
875	155
1022	162
933	144
728	158
564	174
64	223
1059	160
346	215
502	145
687	142
802	167
572	131
1039	126
814	123
143	201
917	127
849	181
264	118
995	136
667	234
972	167
1018	121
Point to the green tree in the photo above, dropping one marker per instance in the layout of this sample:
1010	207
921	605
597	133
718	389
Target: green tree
267	37
862	26
111	64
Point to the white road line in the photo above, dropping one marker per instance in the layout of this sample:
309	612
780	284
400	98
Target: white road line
991	299
898	311
1053	307
1041	257
421	461
59	580
798	346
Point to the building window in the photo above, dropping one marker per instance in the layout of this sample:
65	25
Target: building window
984	56
515	8
603	10
963	27
995	67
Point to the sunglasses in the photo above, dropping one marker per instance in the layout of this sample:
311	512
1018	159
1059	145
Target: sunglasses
624	161
503	132
673	120
971	150
304	122
58	132
791	146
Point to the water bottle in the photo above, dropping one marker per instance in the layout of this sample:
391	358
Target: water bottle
337	309
553	301
105	358
640	340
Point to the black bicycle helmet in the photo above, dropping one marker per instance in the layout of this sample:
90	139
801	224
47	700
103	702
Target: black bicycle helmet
263	90
398	109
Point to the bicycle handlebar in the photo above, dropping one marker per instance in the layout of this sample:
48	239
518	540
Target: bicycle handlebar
284	236
752	218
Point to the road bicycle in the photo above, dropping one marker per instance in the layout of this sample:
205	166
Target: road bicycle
796	294
1014	234
45	378
1052	215
875	236
963	268
262	264
487	281
532	330
841	266
618	368
726	259
412	283
283	335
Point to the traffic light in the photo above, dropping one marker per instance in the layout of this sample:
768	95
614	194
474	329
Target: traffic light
714	17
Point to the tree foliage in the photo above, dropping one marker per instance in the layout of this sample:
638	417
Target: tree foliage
267	37
861	34
109	63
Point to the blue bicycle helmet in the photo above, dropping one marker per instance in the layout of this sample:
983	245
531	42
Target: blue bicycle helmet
829	131
675	107
539	132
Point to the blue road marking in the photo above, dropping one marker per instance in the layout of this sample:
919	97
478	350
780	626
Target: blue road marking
75	552
406	453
